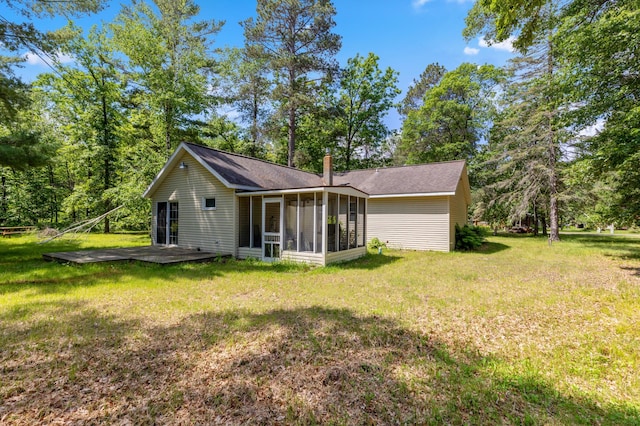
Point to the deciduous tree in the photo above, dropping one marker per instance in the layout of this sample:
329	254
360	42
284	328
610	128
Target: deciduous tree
168	62
365	95
20	147
88	98
454	116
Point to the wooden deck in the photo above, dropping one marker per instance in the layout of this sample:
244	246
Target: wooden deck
152	254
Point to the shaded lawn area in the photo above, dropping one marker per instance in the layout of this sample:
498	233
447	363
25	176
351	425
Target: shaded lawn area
519	332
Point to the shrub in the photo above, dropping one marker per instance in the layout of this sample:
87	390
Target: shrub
376	244
469	237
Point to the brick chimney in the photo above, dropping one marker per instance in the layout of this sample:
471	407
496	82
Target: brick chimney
327	169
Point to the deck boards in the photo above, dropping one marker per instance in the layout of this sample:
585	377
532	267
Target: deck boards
152	254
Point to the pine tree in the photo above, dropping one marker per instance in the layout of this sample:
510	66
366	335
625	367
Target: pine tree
294	38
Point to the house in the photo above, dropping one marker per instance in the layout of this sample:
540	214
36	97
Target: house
235	205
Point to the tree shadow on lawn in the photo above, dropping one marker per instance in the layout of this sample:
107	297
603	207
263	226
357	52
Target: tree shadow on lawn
41	282
615	246
490	247
634	271
62	362
30	250
46	277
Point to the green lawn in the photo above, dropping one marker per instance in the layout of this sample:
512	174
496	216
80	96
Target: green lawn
519	333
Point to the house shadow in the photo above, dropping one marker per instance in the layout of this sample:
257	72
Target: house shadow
311	365
370	261
490	247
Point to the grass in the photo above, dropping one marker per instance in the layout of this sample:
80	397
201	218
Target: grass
518	333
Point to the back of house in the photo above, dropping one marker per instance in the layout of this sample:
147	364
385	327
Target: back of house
230	204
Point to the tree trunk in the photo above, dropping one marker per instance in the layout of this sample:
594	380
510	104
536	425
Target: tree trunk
168	123
54	201
536	229
292	136
553	172
4	200
254	125
106	137
167	140
553	217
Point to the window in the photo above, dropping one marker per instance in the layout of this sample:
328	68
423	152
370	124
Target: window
332	218
306	212
173	223
343	224
209	203
244	221
360	223
256	221
291	222
161	223
353	214
319	222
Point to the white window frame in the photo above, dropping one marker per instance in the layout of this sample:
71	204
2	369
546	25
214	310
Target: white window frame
204	203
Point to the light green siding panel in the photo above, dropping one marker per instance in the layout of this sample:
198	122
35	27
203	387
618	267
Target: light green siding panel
413	223
209	230
246	252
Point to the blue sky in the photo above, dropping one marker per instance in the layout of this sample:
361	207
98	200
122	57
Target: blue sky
407	35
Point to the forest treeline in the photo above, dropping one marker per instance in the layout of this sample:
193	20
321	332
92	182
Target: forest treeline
553	136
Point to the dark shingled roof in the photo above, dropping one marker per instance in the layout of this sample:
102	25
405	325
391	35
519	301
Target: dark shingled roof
418	179
250	172
246	171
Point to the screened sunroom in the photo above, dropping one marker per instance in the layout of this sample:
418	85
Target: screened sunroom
315	225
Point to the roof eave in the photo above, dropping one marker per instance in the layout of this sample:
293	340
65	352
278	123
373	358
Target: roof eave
414	194
346	190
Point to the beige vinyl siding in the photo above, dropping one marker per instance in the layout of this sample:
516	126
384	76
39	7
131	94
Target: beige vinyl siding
343	256
307	257
246	253
414	223
458	212
209	230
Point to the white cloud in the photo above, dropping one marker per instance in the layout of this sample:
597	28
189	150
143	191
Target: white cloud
594	129
63	58
503	45
34	59
471	50
417	4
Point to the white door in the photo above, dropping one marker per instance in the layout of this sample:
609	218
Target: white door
272	229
